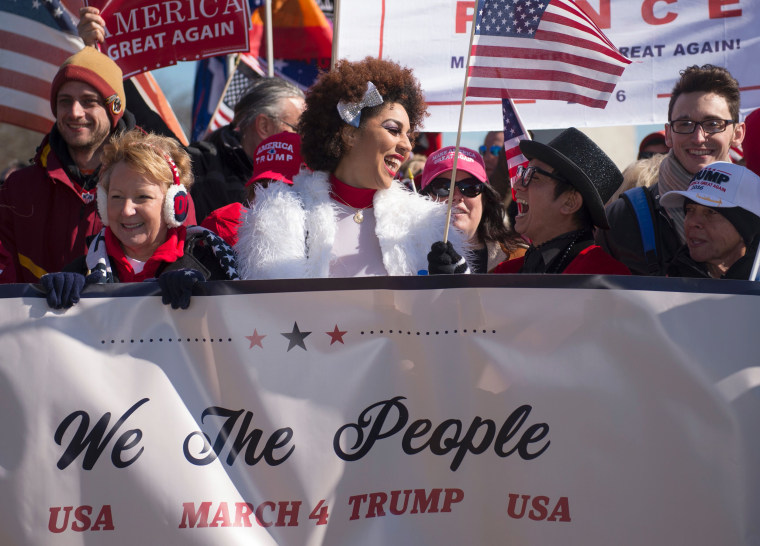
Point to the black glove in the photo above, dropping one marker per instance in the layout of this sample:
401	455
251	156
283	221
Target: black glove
63	288
177	286
444	260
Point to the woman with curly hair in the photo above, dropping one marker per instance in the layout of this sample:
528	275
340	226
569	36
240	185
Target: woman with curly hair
348	216
476	208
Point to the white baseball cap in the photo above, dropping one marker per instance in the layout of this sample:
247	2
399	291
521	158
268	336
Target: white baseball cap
720	185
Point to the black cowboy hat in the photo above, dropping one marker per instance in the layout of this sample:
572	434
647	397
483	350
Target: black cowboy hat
570	150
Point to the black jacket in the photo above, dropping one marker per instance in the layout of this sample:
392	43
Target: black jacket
683	266
221	169
623	240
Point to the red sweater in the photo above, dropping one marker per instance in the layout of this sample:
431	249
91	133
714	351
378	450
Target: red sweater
590	261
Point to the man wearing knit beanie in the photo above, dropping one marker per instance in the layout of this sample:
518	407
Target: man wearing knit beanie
49	208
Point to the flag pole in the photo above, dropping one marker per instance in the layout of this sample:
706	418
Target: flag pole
336	34
270	40
755	266
459	129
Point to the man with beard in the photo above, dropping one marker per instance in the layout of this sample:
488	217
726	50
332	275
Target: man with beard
48	208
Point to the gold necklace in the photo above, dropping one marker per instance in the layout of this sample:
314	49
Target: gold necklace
359	214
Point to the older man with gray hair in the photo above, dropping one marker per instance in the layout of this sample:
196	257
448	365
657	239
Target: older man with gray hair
222	163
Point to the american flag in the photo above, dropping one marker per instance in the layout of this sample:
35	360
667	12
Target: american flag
246	71
249	68
302	38
514	132
541	49
36	36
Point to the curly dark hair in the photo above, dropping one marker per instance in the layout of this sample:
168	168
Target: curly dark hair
707	79
320	125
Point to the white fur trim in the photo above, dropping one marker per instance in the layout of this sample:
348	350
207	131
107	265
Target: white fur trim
102	197
321	221
272	240
168	208
271	235
407	226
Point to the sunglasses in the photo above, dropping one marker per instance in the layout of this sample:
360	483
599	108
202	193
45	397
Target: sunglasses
469	187
493	150
525	175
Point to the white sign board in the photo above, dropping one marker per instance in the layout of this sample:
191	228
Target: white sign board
661	37
497	410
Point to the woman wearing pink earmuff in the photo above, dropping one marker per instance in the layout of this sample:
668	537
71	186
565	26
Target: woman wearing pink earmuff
143	202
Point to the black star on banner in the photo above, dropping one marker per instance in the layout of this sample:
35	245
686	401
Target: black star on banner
296	337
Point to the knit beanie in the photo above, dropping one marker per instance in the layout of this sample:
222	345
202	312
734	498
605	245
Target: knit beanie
97	70
746	223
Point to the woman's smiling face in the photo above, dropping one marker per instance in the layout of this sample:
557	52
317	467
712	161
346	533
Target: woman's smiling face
376	149
135	204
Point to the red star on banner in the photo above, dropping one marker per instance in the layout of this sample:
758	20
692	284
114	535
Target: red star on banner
255	339
336	335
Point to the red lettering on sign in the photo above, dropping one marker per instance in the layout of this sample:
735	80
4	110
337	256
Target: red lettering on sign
81	521
603	19
464	15
716	9
647	13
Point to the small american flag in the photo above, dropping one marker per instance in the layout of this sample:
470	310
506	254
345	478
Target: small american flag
514	132
541	49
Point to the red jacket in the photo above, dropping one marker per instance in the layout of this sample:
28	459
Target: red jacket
590	261
45	219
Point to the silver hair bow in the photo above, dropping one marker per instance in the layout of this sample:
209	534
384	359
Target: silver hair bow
351	112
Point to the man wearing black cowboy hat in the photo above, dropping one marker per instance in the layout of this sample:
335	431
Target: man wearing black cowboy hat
560	198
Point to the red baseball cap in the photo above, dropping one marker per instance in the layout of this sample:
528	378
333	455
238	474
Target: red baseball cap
658	137
277	158
443	160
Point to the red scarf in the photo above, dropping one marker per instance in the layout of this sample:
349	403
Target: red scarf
169	252
358	198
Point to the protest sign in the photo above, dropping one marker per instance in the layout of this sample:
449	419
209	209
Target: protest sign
486	410
660	37
141	37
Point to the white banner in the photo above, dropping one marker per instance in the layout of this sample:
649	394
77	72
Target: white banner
491	410
661	37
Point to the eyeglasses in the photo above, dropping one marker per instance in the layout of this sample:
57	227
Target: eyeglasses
525	175
709	126
293	127
493	150
469	187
